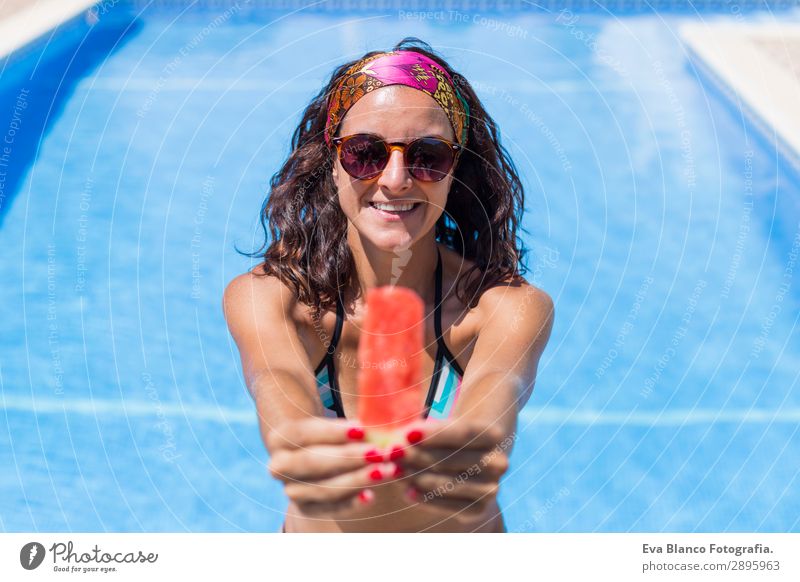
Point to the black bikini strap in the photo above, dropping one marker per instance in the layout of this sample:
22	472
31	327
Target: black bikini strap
337	331
338	407
437	326
437	302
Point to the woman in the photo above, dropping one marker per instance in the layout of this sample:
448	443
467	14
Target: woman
396	177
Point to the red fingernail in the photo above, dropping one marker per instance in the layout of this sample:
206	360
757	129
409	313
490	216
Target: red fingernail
376	475
414	436
365	496
396	453
355	434
398	471
373	456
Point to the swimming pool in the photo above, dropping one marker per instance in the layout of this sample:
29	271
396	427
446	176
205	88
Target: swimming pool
666	231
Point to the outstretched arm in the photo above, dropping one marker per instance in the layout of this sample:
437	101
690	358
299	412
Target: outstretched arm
323	466
499	379
275	365
457	463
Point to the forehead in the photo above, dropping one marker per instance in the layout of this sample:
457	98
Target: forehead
397	112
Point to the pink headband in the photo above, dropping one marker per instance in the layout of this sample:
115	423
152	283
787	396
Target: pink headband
408	68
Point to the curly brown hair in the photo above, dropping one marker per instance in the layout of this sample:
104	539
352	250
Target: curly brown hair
304	227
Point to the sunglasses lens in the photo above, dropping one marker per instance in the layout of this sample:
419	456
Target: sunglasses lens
430	159
363	156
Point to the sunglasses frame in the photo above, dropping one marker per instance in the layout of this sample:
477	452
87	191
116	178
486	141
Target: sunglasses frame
338	142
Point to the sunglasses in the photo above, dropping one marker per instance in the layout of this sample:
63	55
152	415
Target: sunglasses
364	156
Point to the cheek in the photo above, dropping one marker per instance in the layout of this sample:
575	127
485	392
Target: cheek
342	186
348	196
437	198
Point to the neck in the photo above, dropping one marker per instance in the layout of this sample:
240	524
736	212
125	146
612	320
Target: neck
411	267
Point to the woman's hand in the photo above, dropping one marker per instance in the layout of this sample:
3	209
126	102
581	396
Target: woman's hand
455	465
326	468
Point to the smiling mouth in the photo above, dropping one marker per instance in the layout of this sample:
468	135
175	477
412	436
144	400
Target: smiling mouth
394	212
395	208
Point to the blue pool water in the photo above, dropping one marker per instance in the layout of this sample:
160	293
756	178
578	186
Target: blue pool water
664	228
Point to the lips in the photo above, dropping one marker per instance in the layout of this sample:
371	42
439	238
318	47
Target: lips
394	215
403	206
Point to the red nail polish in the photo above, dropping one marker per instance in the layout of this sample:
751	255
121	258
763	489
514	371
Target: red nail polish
396	453
398	471
376	475
355	434
414	436
373	456
365	496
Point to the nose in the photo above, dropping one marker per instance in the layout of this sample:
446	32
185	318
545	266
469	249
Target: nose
395	176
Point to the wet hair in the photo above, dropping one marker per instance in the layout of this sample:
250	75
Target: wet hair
305	228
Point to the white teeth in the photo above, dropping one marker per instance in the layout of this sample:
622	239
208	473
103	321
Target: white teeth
393	207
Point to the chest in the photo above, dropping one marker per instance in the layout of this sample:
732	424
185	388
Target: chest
459	332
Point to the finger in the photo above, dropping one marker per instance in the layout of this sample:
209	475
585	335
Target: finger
468	463
432	486
320	461
341	509
341	486
312	431
456	433
444	460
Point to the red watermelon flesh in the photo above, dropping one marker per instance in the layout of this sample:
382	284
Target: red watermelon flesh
390	386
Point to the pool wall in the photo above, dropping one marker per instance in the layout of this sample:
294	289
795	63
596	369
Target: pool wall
602	6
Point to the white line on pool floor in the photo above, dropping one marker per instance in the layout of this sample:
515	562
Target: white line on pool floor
550	415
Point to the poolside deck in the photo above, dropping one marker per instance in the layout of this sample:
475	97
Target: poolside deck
758	67
22	21
9	7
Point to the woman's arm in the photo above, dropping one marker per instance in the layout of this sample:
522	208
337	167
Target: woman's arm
457	464
276	368
326	471
499	379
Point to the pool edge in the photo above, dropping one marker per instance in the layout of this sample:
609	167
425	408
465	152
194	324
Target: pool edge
23	28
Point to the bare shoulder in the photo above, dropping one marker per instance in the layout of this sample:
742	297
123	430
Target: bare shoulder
253	294
515	297
516	307
514	294
512	310
260	312
514	319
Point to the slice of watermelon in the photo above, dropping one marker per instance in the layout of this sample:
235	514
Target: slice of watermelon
390	384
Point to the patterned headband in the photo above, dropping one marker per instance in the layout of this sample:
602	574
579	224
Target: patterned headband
408	68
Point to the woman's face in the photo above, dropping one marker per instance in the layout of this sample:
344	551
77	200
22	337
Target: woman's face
396	114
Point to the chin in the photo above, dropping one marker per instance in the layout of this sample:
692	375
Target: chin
390	241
